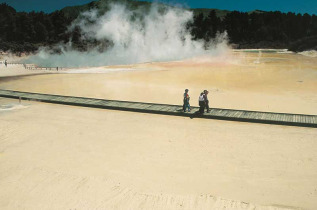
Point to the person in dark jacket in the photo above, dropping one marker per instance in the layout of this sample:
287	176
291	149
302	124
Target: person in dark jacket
206	100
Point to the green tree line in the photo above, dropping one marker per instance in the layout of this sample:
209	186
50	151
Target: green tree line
260	29
26	32
21	31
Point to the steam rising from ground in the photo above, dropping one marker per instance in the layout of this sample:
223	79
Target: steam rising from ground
310	53
135	37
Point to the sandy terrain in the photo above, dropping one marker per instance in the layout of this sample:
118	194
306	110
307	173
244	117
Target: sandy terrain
63	157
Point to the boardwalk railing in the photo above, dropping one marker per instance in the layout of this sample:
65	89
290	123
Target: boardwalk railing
11	63
43	68
33	66
15	63
165	109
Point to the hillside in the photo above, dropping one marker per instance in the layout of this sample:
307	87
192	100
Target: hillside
252	37
103	6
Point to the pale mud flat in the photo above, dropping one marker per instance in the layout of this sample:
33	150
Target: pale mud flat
64	157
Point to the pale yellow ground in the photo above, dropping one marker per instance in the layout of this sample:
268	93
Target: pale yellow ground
267	82
64	157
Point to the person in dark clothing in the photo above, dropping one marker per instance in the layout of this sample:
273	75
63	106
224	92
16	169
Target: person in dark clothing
186	104
201	103
5	63
206	100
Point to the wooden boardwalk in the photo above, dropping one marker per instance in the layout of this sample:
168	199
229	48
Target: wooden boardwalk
165	109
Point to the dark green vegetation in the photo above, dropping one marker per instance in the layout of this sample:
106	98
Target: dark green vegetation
26	32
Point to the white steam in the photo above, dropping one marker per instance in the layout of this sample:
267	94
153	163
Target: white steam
134	38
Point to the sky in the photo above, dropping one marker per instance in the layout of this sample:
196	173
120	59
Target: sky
297	6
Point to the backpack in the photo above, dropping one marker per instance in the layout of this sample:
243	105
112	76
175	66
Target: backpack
201	98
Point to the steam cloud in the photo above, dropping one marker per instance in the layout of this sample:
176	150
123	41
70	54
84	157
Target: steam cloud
135	38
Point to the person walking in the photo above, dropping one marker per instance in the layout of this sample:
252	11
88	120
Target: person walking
201	103
5	63
206	100
186	104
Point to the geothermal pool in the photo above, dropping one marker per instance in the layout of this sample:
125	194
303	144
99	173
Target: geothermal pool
64	157
265	81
